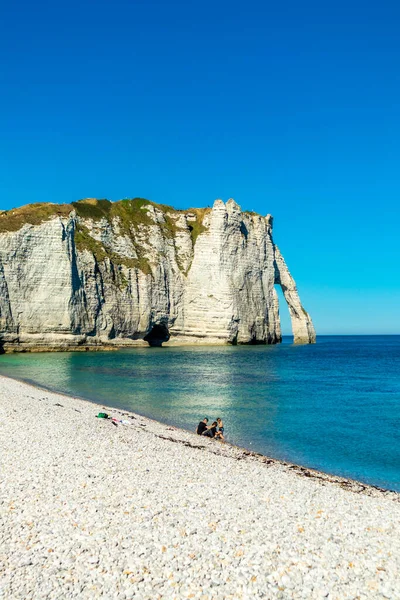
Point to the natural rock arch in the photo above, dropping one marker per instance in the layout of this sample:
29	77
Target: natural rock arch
302	326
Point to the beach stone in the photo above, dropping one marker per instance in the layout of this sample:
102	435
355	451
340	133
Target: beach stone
143	527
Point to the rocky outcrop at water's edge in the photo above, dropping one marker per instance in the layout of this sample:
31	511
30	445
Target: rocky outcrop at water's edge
95	274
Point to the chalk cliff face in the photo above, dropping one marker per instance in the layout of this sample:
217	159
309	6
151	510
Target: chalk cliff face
96	273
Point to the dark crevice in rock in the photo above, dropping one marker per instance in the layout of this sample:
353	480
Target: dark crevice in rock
157	335
243	230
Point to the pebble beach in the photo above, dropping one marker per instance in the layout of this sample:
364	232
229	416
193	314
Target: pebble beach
92	509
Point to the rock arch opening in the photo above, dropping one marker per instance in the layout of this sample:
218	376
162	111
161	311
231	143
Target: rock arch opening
282	313
302	326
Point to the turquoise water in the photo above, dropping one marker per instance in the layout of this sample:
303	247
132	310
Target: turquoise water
333	406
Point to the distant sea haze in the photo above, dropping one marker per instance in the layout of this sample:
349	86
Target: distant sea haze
333	406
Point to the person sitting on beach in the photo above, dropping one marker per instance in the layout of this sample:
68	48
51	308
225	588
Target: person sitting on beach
210	432
202	426
220	433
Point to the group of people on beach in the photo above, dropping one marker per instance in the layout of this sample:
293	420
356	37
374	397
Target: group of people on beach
215	430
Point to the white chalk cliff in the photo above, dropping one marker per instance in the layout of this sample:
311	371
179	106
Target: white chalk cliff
96	273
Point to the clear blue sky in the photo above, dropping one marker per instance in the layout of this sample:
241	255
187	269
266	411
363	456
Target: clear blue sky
292	108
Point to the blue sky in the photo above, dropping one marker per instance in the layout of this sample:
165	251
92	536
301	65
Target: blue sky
291	108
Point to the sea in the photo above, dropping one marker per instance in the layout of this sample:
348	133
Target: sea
333	406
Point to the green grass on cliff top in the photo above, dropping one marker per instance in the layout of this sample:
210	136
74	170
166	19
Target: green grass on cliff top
130	213
34	214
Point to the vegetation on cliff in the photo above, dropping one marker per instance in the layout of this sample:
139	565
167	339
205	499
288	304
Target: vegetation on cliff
84	241
131	215
33	214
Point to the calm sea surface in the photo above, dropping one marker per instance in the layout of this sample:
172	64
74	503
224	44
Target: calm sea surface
333	406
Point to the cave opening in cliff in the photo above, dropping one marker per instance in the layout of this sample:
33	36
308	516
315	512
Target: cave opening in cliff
157	335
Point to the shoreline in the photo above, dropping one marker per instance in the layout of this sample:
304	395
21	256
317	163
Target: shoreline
109	345
150	511
348	483
11	347
7	347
